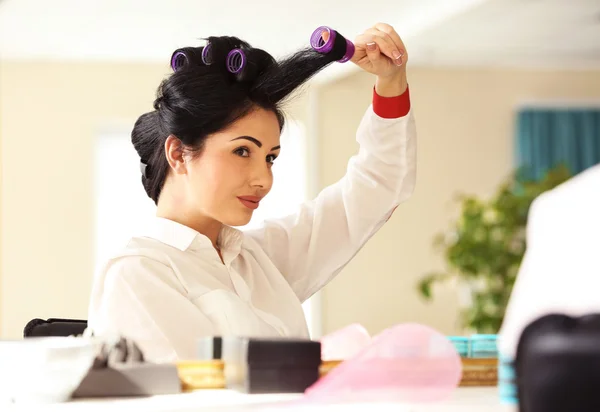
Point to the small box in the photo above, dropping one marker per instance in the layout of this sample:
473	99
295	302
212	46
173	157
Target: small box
139	379
461	344
201	374
507	383
260	365
484	346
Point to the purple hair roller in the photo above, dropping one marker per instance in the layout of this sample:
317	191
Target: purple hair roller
236	61
205	57
349	52
178	60
322	46
317	42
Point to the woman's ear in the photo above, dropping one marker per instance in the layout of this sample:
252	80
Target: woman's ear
175	154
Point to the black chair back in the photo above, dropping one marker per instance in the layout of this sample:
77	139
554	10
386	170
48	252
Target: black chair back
54	327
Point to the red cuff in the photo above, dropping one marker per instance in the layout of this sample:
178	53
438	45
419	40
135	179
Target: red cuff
391	107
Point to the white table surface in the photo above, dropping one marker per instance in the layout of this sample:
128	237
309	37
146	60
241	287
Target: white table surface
463	400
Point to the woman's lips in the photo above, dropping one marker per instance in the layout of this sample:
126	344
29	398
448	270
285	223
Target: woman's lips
251	202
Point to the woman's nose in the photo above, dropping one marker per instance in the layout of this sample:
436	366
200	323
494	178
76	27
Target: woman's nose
262	177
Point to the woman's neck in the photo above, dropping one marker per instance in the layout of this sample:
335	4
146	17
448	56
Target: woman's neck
172	208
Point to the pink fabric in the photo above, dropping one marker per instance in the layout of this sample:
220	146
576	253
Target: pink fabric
344	343
406	363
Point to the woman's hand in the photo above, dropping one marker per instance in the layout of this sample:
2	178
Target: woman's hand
380	50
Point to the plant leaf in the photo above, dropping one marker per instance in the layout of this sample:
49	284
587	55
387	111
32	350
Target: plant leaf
487	243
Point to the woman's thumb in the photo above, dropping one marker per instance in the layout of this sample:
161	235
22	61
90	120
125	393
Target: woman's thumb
373	52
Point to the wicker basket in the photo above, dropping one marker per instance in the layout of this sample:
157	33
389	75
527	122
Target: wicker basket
479	372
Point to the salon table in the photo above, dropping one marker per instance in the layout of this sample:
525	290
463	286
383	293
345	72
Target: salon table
480	399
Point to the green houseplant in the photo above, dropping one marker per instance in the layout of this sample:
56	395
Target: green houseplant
484	247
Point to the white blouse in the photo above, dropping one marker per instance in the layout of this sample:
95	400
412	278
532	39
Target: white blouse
168	287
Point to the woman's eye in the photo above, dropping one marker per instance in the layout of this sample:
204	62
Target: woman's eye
271	158
242	151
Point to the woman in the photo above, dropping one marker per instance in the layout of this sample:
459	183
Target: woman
206	153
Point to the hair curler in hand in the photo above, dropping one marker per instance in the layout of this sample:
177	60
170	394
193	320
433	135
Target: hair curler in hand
336	44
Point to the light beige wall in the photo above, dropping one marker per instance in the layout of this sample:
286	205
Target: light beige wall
465	128
49	113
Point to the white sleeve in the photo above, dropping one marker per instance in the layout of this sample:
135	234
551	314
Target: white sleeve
531	295
313	245
141	299
559	272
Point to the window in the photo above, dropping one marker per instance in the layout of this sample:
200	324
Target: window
123	206
547	136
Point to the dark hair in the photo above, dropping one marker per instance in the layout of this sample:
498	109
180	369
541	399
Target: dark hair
199	99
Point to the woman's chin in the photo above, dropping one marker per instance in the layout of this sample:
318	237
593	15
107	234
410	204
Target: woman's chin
239	220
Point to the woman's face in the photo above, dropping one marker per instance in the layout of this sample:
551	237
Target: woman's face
233	172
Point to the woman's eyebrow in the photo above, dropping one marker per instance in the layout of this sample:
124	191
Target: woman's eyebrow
255	141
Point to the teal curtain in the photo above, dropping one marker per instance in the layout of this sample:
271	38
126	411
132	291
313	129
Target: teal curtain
548	137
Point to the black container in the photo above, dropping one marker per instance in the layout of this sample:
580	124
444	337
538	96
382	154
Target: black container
260	365
557	364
